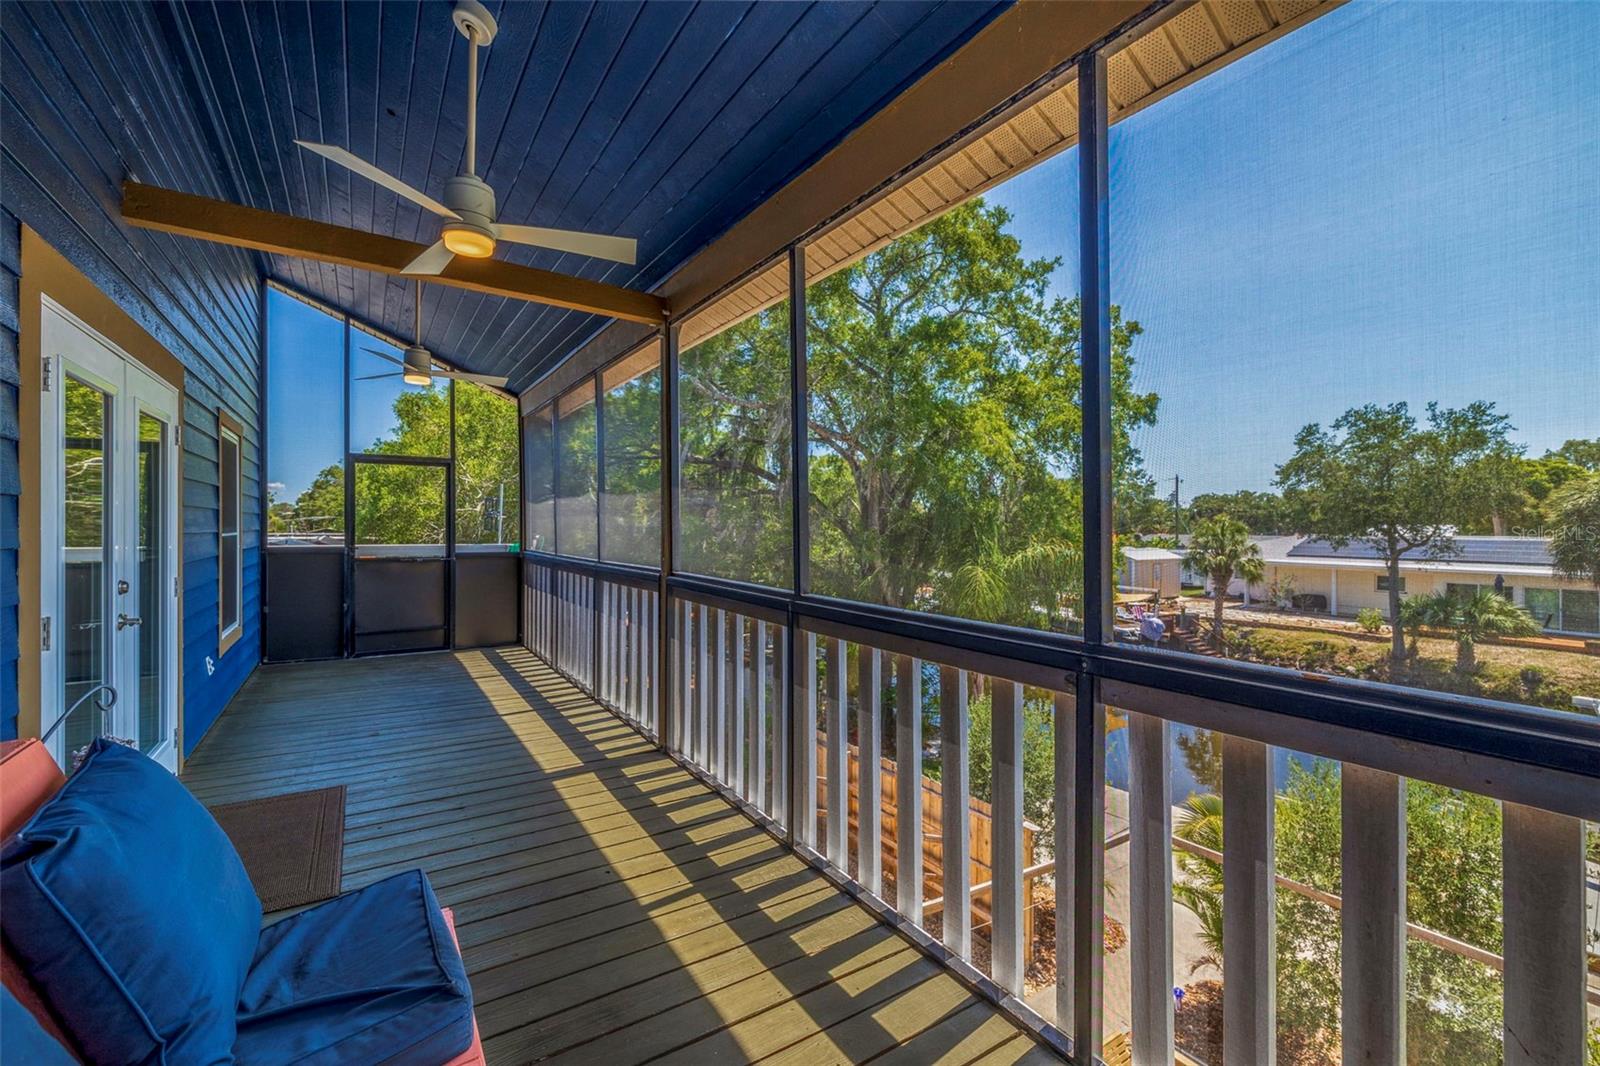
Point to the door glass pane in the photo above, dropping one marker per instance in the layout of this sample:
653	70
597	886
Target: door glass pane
87	493
152	576
400	509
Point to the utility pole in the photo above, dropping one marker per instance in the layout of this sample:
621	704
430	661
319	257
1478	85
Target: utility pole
1177	507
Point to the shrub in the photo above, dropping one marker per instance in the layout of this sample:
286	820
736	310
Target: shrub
1370	619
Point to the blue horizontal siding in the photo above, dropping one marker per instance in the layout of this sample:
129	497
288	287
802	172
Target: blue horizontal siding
92	95
10	472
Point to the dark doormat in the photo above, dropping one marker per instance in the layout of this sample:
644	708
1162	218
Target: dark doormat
292	845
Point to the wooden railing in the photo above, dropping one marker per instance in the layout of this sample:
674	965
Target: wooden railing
786	712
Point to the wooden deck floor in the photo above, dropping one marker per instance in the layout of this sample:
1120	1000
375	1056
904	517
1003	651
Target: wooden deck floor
611	908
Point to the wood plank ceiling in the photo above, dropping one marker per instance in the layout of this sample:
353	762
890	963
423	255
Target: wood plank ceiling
663	121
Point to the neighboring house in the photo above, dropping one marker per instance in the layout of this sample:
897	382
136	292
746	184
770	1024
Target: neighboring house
1271	546
1156	569
1355	576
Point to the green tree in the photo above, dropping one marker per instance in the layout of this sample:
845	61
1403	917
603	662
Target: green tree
1582	453
733	398
397	504
1262	512
1453	886
1377	477
1199	885
1221	548
944	428
1471	617
1038	758
1575	532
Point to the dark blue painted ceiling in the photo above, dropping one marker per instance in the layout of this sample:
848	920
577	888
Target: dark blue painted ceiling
663	121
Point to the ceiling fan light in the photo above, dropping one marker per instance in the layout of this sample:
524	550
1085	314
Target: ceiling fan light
418	366
470	241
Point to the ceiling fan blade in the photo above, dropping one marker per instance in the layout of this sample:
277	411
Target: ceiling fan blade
482	379
433	259
374	377
371	173
384	355
619	249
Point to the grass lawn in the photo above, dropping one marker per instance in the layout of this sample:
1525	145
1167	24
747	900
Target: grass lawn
1560	675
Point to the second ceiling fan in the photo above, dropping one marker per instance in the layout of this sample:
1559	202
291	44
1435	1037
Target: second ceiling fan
471	228
416	364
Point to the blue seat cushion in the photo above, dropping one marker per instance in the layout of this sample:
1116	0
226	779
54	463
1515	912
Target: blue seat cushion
129	908
23	1041
371	977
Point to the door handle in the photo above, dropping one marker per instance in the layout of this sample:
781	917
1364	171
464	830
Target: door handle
124	621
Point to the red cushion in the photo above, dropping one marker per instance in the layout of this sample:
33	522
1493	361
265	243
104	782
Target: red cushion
28	777
473	1056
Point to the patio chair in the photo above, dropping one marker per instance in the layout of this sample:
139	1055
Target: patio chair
133	934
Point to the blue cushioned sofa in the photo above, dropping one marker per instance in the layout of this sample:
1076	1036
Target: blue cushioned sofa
137	936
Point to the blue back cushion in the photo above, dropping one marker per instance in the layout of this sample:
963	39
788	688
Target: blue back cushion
129	907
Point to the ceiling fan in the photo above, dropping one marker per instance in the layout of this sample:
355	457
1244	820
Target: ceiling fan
470	227
417	366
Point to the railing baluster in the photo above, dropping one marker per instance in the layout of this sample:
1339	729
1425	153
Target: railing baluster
738	714
702	684
681	729
1066	811
1545	979
803	737
756	730
1150	886
1373	919
838	754
644	658
784	712
908	787
953	802
1249	908
1005	767
718	755
869	787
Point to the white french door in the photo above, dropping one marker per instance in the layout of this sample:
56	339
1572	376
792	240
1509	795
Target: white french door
108	545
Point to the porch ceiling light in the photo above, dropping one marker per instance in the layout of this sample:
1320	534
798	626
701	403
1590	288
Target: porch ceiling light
468	241
418	366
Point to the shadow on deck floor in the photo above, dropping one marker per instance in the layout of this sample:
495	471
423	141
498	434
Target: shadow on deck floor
611	908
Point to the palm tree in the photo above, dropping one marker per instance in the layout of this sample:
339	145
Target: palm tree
1013	588
1200	889
1471	616
1221	549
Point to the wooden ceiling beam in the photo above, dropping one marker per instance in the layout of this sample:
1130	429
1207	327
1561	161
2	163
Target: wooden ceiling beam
150	207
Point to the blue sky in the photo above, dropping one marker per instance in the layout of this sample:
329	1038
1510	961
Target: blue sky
1399	201
1395	202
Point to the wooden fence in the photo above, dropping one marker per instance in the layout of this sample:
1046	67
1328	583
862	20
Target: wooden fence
980	827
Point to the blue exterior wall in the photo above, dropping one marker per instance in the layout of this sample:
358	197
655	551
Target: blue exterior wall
10	382
91	97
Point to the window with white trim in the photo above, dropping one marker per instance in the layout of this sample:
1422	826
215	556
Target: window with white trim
230	552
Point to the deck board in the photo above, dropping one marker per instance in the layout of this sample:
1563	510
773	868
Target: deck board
610	907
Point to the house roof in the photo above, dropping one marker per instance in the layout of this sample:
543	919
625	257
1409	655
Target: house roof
1151	554
662	121
1486	551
